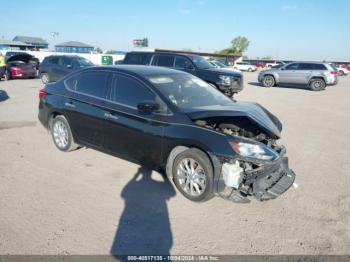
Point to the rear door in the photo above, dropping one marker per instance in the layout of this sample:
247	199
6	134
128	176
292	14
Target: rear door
86	109
53	67
305	72
131	134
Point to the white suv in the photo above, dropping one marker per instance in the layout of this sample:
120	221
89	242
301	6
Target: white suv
245	66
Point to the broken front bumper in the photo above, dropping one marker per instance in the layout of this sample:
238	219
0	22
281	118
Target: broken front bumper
265	182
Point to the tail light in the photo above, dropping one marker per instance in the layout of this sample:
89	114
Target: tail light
334	72
42	93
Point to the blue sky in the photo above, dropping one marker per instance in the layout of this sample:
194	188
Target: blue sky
285	29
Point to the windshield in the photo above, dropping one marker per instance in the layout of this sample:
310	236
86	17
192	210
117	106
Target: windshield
82	62
201	62
187	92
219	64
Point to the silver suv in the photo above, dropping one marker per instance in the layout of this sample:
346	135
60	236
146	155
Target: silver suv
316	75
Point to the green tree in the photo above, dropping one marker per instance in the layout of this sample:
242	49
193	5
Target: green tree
238	45
110	52
98	50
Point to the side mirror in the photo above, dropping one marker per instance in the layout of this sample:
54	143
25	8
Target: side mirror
148	106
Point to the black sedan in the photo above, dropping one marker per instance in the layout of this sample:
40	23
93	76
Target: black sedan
171	121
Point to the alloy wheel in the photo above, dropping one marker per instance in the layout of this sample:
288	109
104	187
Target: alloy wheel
60	134
191	176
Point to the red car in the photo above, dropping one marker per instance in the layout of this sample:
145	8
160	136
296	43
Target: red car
20	66
345	66
260	65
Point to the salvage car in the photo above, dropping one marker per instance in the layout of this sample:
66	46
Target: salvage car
227	81
172	121
20	65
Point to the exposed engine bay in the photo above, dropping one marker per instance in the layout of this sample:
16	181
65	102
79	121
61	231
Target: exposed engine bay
242	176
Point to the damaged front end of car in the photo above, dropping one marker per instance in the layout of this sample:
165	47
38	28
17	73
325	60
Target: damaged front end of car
256	170
258	166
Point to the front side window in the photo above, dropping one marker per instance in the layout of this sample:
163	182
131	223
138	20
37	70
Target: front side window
182	62
83	62
93	83
138	59
164	60
201	62
306	66
292	67
67	62
129	91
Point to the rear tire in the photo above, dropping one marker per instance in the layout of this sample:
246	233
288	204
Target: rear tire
62	134
269	81
341	73
193	175
250	70
45	78
317	84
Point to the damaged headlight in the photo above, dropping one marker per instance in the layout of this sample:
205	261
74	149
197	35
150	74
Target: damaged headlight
225	80
255	151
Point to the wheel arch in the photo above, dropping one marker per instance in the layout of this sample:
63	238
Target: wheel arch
317	77
179	149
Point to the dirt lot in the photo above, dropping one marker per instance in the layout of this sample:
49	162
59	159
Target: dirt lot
86	202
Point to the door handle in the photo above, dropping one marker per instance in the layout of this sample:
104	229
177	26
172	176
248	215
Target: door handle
69	104
110	116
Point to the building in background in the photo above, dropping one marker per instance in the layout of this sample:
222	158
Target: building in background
74	47
12	45
33	43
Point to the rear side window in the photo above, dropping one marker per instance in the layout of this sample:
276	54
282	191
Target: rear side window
138	59
128	91
306	66
164	60
92	83
319	67
54	60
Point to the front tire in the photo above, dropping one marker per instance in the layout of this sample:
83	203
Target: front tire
317	84
341	73
193	175
269	81
62	134
250	70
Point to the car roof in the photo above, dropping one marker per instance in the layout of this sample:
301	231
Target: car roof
140	70
164	53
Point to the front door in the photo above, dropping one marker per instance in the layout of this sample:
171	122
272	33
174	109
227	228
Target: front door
289	74
131	134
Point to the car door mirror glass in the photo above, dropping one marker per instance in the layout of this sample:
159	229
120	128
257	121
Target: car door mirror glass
148	106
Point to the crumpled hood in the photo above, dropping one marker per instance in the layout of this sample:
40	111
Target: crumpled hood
255	112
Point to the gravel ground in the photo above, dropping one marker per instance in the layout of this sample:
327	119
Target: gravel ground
87	202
